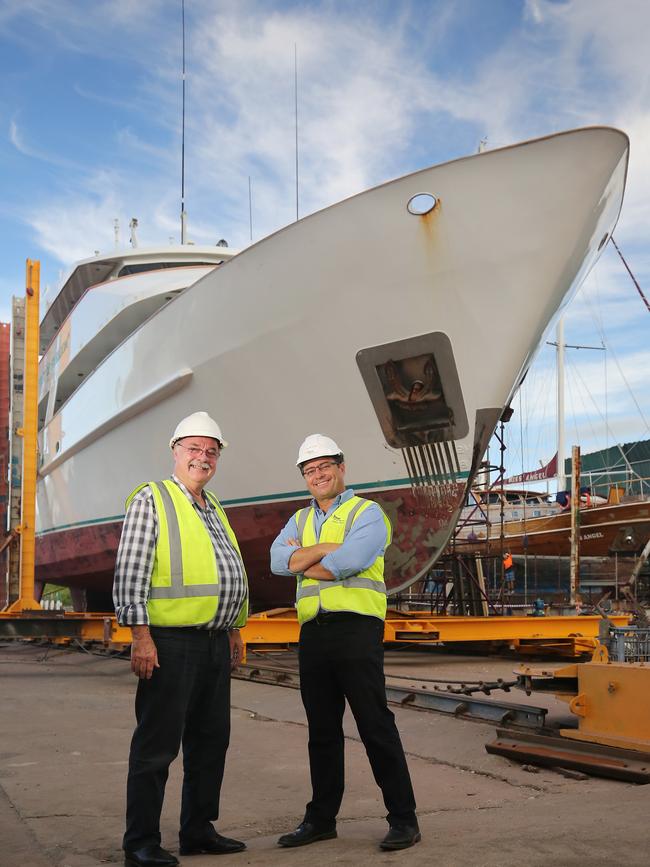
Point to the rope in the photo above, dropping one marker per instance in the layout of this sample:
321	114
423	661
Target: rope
634	280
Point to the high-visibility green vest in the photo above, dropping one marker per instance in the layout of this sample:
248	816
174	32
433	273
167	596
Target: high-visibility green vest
185	583
364	593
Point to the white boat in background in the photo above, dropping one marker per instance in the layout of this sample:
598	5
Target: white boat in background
362	321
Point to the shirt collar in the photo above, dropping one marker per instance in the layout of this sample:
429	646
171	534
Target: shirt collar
189	496
341	498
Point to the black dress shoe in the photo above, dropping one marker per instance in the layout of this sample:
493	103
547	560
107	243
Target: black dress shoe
401	837
216	845
306	833
149	856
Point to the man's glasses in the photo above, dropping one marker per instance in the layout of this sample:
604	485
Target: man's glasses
196	452
312	471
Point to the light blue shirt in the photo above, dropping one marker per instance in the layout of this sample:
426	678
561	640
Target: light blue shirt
365	541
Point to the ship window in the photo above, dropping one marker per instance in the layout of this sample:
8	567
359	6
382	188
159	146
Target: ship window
421	204
140	267
42	410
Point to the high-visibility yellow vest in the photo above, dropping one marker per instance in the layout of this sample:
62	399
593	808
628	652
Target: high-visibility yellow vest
364	593
185	583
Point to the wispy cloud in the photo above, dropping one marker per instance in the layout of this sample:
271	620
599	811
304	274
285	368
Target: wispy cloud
383	88
18	141
368	95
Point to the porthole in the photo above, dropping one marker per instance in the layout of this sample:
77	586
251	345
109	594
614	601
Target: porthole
421	204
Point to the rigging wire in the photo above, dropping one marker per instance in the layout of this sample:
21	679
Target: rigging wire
534	395
629	387
570	403
598	322
596	313
543	408
629	271
574	371
521	439
609	429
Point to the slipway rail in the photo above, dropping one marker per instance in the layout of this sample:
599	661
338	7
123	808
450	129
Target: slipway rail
418	697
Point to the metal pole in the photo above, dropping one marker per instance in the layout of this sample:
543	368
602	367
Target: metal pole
250	207
575	526
295	93
17	353
183	213
29	433
561	478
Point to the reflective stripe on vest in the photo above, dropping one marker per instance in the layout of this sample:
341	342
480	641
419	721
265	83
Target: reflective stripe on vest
364	593
362	583
184	588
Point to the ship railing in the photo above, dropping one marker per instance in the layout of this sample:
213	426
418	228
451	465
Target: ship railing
615	484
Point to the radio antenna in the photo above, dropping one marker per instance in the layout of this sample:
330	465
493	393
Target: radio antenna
250	207
295	91
183	213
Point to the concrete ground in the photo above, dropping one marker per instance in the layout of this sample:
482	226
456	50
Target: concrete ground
66	723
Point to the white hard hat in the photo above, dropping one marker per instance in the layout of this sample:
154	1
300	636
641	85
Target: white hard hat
317	446
199	424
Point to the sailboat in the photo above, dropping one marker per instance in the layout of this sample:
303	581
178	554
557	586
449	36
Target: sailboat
614	512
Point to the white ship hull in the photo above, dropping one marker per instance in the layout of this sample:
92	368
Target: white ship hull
267	343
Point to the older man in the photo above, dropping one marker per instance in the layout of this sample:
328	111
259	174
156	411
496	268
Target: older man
335	547
180	585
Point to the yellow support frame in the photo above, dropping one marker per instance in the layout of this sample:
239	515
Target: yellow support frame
63	628
279	627
26	600
577	634
610	699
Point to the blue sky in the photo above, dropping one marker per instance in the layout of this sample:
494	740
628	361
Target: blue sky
90	116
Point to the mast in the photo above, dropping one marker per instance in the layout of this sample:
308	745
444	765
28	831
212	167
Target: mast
295	94
559	335
183	213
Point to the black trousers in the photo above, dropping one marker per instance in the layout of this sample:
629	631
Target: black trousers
186	701
342	657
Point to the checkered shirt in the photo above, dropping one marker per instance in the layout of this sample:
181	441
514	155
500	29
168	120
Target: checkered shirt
135	558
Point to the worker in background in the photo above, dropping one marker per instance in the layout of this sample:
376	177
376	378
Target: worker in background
509	572
335	547
180	585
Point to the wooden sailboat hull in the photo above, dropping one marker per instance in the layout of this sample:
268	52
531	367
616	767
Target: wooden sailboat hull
606	530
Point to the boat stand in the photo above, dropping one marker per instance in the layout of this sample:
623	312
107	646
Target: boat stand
610	696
